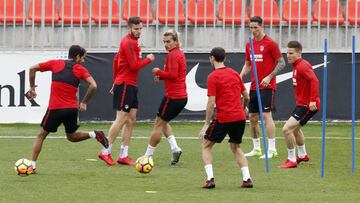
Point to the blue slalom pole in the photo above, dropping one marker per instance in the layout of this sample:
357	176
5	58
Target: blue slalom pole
353	106
324	110
259	104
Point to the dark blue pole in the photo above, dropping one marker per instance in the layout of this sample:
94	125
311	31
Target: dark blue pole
259	103
353	106
324	111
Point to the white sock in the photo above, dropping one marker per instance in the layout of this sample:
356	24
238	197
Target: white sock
150	150
256	143
106	151
209	171
92	134
245	173
33	163
301	151
271	145
173	145
291	155
124	151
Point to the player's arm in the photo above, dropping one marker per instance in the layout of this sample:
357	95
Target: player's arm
209	111
310	76
246	69
133	58
280	64
245	98
173	72
89	93
32	74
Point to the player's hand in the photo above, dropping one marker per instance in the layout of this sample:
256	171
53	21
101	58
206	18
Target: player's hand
154	70
31	94
203	131
246	110
156	79
312	106
112	90
82	107
151	57
266	81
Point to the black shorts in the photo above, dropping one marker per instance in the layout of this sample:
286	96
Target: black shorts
125	97
217	131
170	108
303	114
54	117
267	101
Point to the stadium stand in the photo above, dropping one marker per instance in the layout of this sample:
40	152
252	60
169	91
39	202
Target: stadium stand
140	8
50	15
100	11
170	16
10	16
201	12
228	17
335	14
79	13
256	10
295	16
352	12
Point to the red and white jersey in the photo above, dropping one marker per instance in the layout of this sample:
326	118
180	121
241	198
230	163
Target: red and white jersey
306	84
266	53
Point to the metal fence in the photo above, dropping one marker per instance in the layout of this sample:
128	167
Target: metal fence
99	24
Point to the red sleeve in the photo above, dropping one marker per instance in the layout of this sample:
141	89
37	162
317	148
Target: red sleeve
135	63
173	62
81	72
309	75
275	51
47	66
211	82
115	65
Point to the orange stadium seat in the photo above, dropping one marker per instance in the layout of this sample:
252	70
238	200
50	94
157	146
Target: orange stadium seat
334	15
51	11
78	14
18	16
352	12
228	17
293	6
196	11
170	17
100	11
144	12
268	17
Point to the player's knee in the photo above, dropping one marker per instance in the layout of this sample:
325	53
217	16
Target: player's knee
286	130
70	137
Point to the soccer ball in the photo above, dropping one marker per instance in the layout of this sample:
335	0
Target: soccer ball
23	167
144	164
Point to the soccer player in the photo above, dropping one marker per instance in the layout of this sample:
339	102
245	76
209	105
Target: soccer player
306	89
63	104
269	62
175	98
126	67
225	89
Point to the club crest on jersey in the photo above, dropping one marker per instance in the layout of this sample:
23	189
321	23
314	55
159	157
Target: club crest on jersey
261	47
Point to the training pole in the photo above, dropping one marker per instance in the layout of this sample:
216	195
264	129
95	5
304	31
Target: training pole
353	106
259	104
324	111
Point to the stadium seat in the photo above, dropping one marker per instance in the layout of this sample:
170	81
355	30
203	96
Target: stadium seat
196	11
334	15
145	10
51	11
78	14
228	4
256	10
18	16
293	6
100	11
170	16
352	12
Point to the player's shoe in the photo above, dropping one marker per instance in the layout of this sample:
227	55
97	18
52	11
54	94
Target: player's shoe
254	152
247	184
33	171
175	157
209	184
288	164
106	158
126	161
271	154
306	158
100	137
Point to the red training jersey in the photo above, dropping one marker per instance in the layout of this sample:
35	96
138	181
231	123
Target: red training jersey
266	53
306	84
226	85
174	74
63	95
128	62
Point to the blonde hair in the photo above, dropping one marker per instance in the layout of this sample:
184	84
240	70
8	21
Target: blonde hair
174	35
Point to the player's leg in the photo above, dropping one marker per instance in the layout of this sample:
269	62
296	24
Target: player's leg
267	98
124	148
155	136
207	159
288	130
254	125
175	149
37	147
300	142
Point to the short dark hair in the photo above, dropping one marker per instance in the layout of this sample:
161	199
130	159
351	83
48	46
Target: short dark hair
218	53
296	45
256	19
134	20
75	50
